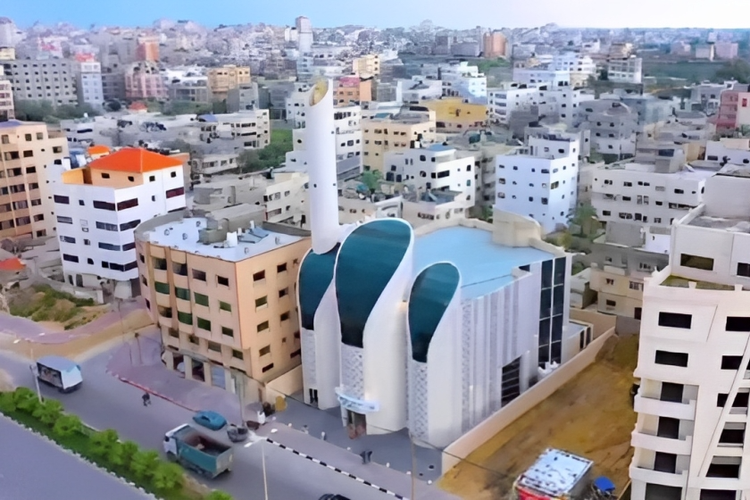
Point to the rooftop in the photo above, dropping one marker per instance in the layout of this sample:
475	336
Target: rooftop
733	224
135	160
440	147
485	266
184	234
555	472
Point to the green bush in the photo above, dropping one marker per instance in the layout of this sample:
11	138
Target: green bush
102	443
48	412
67	425
144	463
7	402
218	495
168	477
26	400
128	450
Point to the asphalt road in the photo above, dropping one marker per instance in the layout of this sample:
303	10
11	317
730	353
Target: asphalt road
105	402
37	469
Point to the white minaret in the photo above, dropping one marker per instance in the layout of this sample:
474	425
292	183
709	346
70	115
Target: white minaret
320	136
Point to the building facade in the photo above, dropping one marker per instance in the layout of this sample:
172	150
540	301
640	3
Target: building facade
44	80
225	78
89	82
456	115
351	90
7	108
144	81
628	70
387	132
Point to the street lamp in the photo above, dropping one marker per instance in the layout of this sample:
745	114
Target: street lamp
31	367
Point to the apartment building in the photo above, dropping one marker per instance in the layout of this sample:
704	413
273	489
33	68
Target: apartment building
225	78
43	80
244	97
191	91
222	290
144	81
706	96
734	108
457	115
367	65
113	83
88	74
26	149
97	208
627	70
494	45
147	48
580	67
352	90
510	97
690	436
7	108
726	50
284	197
542	76
705	51
614	127
419	89
388	132
206	166
463	80
540	181
248	129
564	103
728	150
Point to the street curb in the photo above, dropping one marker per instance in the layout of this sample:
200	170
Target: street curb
342	472
82	459
150	391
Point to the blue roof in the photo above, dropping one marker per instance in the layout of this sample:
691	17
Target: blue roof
11	123
440	147
485	266
57	363
429	298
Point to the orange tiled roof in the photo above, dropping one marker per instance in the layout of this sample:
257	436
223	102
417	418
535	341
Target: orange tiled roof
12	264
98	150
134	160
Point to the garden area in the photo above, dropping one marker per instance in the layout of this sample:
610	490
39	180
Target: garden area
55	310
125	459
271	156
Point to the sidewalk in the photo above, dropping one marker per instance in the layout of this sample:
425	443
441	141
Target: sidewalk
142	367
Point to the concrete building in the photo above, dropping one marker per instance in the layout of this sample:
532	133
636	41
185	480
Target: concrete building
45	80
540	181
144	81
7	108
88	74
304	35
381	309
705	51
390	91
244	97
147	48
388	132
463	80
726	150
247	129
510	97
629	70
706	96
190	91
456	115
542	76
367	65
734	108
614	127
26	150
221	288
580	67
726	50
689	439
206	166
494	45
113	83
226	78
352	90
97	207
420	89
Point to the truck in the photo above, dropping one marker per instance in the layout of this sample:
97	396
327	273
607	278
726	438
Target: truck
59	372
197	452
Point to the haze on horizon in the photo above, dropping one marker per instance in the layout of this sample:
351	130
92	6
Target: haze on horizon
387	13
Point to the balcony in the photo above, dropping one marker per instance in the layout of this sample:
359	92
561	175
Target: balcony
654	406
160	275
663	444
658	477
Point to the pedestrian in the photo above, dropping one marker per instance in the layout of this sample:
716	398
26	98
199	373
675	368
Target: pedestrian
146	399
323	435
305	430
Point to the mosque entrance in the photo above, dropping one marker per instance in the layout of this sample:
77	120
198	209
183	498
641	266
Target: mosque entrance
356	424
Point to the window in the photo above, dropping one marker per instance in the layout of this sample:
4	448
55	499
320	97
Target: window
263	326
199	275
185	318
697	262
671	358
127	204
743	269
671	392
64	200
267	368
726	467
634	285
171	193
284	316
265	350
665	462
161	287
109	246
70	258
668	428
103	205
64	220
227	331
67	239
675	320
740	401
237	354
259	276
610	281
296	353
262	301
182	293
105	176
281	268
738	324
222	280
129	225
193	339
225	306
284	292
733	434
204	324
718	495
731	362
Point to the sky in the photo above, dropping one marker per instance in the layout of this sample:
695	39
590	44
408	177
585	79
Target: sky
387	13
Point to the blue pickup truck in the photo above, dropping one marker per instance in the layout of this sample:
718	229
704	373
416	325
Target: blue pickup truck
198	452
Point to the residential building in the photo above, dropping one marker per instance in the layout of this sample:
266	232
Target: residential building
244	97
727	150
144	81
147	48
419	89
540	181
26	150
190	91
284	197
456	115
364	294
89	81
388	132
221	290
7	53
391	91
692	404
42	80
542	76
580	67
206	166
628	70
228	77
97	207
463	80
614	127
113	84
705	51
352	90
509	98
495	45
367	65
726	50
7	108
680	48
564	105
304	35
734	108
248	129
706	96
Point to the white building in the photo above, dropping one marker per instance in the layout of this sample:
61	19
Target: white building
614	127
542	76
628	70
729	150
540	181
249	129
511	97
420	88
564	103
98	207
690	438
304	34
580	66
89	83
462	80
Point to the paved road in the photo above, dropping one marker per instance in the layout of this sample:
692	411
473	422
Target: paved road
64	475
105	402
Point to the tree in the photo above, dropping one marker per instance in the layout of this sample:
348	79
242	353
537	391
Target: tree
735	70
372	179
67	425
583	214
7	402
144	463
168	477
102	442
33	111
219	495
49	411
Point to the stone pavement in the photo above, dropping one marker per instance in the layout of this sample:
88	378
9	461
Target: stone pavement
139	364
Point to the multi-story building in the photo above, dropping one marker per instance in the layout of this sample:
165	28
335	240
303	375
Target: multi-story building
26	150
249	129
734	108
566	104
726	50
629	70
462	80
147	48
190	91
221	290
510	97
705	51
456	115
225	78
367	65
394	132
352	90
97	207
207	166
44	80
244	97
540	181
7	108
144	81
89	81
304	35
706	96
113	83
419	89
690	436
614	127
494	45
542	76
726	150
580	67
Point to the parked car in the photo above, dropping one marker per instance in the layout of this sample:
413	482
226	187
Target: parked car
237	434
210	420
58	372
331	496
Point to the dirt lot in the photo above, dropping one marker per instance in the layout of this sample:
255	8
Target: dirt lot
590	416
57	311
